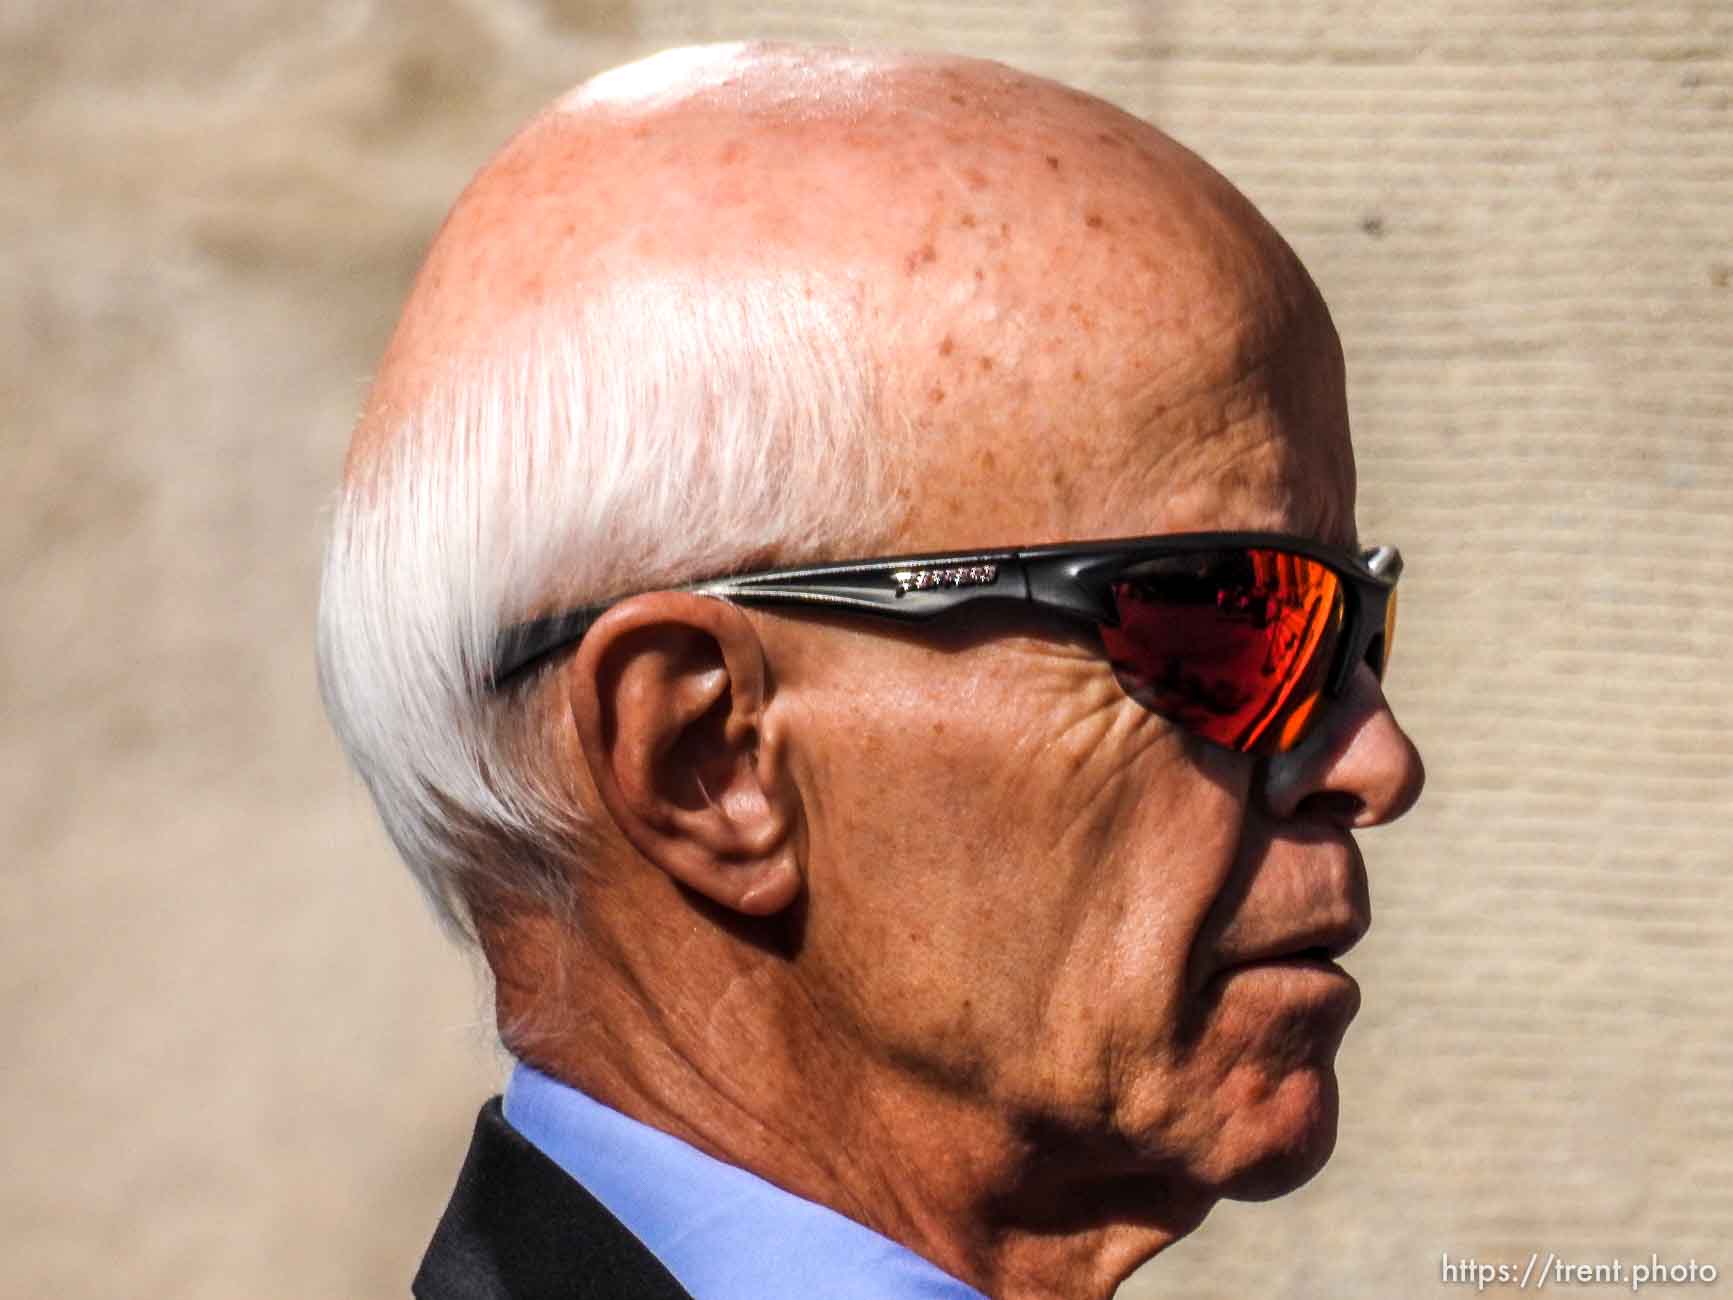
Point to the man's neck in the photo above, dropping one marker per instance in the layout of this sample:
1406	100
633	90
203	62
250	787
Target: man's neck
740	1062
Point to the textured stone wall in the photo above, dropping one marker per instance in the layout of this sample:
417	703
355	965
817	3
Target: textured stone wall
240	1061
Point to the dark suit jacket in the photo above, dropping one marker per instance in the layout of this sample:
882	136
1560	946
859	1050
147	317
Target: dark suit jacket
520	1228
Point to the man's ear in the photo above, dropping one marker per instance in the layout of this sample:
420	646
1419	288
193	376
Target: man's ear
668	698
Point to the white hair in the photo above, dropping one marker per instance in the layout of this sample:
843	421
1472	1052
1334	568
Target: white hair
663	429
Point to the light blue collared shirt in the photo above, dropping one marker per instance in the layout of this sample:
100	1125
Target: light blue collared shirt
724	1233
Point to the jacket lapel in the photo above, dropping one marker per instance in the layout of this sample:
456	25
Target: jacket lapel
520	1228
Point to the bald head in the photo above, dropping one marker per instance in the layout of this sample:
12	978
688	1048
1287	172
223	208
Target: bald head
1007	247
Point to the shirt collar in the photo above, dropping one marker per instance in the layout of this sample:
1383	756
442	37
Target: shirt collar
726	1234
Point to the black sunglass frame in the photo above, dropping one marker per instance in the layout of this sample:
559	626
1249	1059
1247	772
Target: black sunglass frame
1074	579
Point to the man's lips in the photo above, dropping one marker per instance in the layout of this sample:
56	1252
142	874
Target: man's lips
1321	941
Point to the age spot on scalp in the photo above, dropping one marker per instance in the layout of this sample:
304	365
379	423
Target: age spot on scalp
946	346
935	395
967	221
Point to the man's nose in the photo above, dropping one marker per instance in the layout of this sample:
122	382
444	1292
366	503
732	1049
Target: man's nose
1359	768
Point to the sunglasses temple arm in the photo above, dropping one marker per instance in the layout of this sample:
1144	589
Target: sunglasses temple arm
521	647
909	590
905	590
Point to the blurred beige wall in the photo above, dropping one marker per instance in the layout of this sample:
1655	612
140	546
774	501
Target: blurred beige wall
241	1062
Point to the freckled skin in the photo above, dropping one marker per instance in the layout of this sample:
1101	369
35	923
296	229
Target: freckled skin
1014	1034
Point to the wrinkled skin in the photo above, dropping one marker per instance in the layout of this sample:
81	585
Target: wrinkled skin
1020	987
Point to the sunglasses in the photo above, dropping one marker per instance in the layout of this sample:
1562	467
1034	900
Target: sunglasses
1235	637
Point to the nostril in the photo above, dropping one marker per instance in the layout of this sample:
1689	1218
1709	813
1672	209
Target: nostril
1336	806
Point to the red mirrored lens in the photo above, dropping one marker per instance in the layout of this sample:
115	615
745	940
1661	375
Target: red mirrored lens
1232	645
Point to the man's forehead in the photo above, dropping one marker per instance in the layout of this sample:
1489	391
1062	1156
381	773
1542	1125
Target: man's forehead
1137	384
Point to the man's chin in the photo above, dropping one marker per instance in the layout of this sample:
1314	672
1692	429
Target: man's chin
1290	1138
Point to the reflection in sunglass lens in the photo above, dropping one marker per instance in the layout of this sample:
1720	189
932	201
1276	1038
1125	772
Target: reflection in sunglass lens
1232	645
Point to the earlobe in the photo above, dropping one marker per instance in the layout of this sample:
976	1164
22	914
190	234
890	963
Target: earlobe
670	705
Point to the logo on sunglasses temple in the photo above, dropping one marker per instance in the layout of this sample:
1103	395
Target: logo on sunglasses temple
968	575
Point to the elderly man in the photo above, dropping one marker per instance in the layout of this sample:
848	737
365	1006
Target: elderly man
896	881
